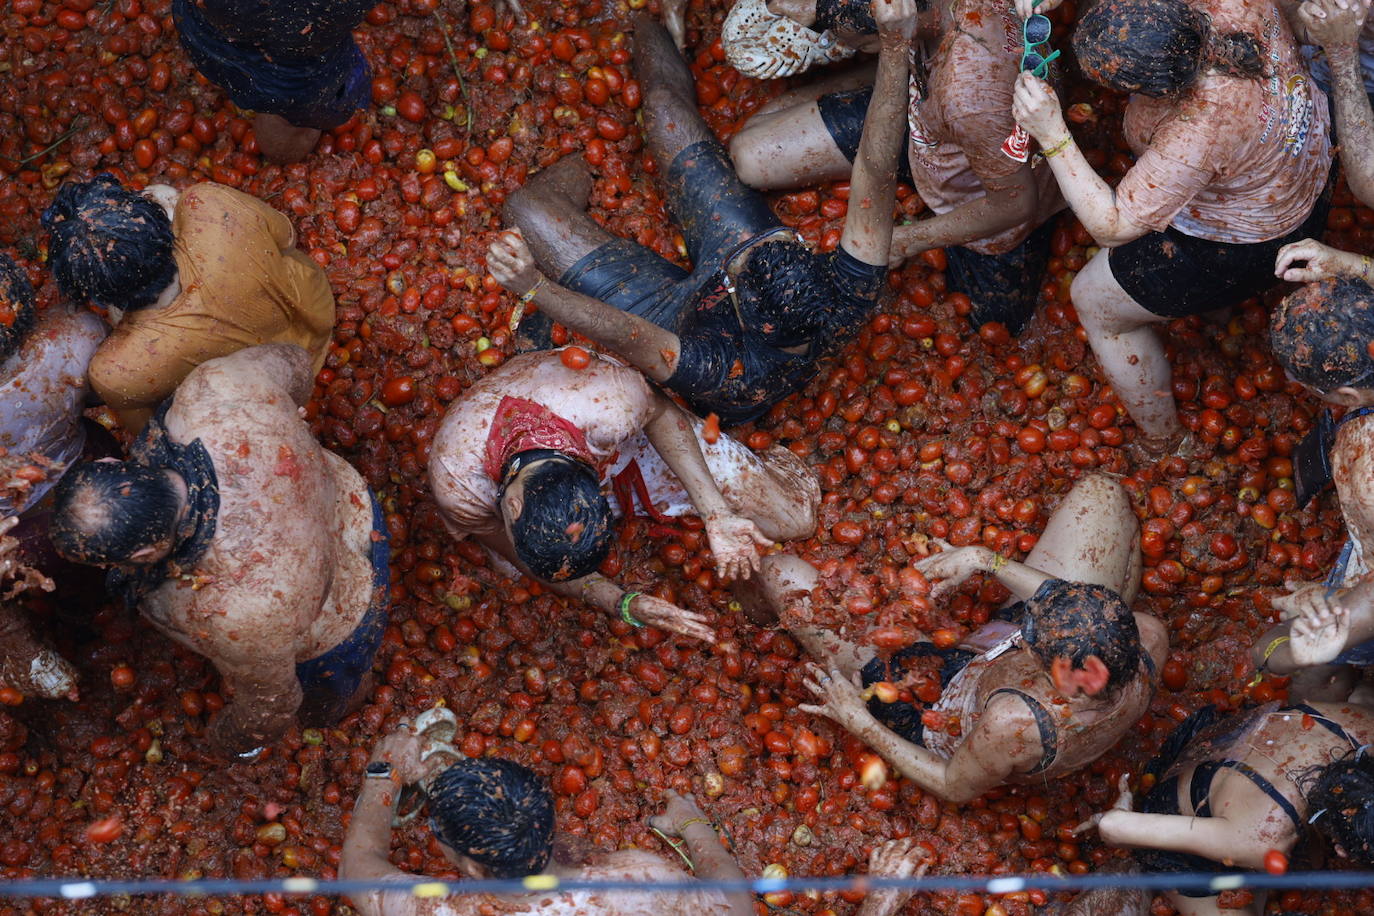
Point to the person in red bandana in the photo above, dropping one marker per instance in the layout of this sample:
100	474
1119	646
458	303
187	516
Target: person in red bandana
520	461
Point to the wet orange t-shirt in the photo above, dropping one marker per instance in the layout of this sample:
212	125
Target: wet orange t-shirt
243	283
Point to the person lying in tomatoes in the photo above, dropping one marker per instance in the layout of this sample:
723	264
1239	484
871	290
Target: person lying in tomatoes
520	459
1244	792
1233	162
991	203
1040	694
235	534
758	311
185	277
494	818
1320	334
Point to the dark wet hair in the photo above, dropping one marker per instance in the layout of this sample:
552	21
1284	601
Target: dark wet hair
496	812
1158	47
17	314
1340	796
778	284
564	529
1075	620
106	511
109	244
1320	333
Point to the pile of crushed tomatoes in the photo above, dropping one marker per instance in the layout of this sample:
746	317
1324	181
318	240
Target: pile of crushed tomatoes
921	428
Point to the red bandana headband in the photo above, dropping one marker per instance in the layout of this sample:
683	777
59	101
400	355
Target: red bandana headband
520	425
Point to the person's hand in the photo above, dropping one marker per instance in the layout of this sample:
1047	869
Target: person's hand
1321	261
656	612
680	809
518	11
952	565
675	21
896	22
1124	802
8	561
898	859
839	699
1035	106
403	749
735	543
1333	23
1320	628
1027	8
510	262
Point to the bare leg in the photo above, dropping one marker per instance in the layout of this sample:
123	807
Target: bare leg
671	120
785	580
551	213
1092	537
281	141
777	491
1209	906
1130	353
843	79
789	146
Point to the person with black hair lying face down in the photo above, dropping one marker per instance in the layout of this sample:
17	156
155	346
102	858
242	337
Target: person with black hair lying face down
1036	695
1228	791
43	390
235	534
494	818
758	311
990	203
1233	162
185	277
1320	334
519	460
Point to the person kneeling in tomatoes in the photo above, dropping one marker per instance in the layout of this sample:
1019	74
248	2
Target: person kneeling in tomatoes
758	312
519	461
1034	696
185	277
235	534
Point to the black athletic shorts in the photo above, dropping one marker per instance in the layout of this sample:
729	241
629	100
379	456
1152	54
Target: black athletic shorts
716	213
843	114
1002	287
1176	275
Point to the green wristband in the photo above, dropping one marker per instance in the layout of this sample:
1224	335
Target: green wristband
625	614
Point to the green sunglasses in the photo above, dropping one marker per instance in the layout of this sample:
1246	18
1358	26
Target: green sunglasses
1035	31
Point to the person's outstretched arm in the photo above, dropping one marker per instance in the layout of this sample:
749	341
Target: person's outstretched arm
952	565
1003	205
1336	25
649	348
711	861
873	184
1006	737
1036	107
735	541
893	859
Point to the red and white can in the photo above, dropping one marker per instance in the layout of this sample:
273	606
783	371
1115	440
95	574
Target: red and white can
1017	145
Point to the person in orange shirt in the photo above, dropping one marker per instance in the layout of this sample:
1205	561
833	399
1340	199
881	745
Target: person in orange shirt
186	278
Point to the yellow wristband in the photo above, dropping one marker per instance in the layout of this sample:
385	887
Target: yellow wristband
1272	648
693	820
1057	148
1365	263
998	561
519	311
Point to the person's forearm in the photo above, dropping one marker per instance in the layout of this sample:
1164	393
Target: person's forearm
1212	837
649	348
884	902
923	767
673	437
712	862
366	844
873	183
596	590
978	219
1092	200
1021	580
1354	121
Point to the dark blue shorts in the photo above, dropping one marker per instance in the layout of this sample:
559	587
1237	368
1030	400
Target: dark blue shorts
329	681
320	91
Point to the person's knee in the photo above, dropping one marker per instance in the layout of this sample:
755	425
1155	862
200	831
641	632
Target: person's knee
1094	293
748	151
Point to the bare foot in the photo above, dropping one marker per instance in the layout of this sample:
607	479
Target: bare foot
281	141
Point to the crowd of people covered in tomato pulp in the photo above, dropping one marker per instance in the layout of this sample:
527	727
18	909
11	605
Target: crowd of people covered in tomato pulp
636	440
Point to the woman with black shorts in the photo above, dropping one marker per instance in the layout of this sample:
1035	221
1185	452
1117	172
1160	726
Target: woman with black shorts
1233	162
749	323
